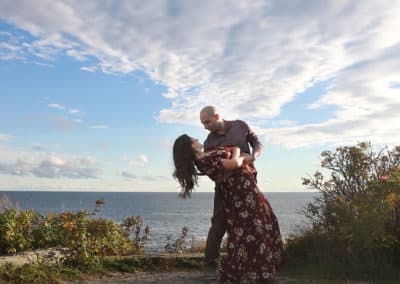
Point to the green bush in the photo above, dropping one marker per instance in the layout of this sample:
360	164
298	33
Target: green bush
86	236
182	245
355	219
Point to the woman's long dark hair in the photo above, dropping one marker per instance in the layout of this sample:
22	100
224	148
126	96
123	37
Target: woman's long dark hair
185	169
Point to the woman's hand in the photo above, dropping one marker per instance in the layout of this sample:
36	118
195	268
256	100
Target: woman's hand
235	160
235	152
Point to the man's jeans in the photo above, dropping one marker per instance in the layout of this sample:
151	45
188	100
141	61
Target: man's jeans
217	230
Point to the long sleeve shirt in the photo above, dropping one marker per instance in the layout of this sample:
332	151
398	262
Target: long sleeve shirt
236	133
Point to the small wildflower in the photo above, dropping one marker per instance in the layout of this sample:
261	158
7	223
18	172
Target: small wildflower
384	178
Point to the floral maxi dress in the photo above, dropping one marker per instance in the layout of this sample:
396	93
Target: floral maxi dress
255	249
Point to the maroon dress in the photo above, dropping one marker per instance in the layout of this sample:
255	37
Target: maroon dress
255	249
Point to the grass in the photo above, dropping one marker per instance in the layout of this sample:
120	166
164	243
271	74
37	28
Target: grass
46	273
296	271
339	272
37	273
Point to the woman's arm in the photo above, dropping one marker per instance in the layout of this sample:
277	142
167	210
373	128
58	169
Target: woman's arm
235	161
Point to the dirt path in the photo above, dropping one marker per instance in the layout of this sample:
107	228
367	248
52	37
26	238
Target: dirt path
157	277
190	277
46	255
178	277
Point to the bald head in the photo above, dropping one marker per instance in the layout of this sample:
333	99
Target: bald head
210	119
209	110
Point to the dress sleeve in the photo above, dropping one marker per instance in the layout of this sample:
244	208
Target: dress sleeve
211	166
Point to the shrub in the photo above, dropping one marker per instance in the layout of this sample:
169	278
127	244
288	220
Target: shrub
86	236
356	216
183	245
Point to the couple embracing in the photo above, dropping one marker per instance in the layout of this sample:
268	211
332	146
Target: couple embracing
254	244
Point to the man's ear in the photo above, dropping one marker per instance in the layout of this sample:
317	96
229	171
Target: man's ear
216	116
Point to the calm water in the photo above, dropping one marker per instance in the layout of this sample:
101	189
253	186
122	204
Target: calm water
164	213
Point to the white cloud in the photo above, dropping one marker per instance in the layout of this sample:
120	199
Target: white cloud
89	68
171	94
286	122
149	177
144	158
80	56
42	64
53	166
5	45
367	107
19	168
56	106
141	161
10	50
98	126
74	111
250	58
5	33
128	175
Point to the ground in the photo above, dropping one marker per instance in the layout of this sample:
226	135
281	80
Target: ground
156	277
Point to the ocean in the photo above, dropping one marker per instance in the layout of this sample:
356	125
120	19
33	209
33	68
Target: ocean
165	213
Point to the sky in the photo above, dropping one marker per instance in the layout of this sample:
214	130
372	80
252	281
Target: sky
94	93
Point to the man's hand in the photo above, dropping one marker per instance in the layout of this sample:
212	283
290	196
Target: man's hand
248	158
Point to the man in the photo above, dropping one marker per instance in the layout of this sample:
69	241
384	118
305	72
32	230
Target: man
224	133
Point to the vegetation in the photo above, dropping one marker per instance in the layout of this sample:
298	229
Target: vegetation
84	235
353	233
355	220
45	273
93	245
180	244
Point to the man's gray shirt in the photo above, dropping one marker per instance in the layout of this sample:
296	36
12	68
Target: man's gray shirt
236	133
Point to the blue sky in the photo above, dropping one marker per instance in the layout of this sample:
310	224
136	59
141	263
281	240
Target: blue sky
94	93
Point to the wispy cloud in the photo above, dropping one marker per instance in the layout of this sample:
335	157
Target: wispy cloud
143	158
366	105
10	47
252	64
151	178
53	166
74	111
140	161
64	123
128	175
80	56
98	126
56	106
89	68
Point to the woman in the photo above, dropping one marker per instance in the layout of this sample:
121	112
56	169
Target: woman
255	249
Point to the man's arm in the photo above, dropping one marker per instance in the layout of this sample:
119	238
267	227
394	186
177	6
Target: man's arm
255	143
